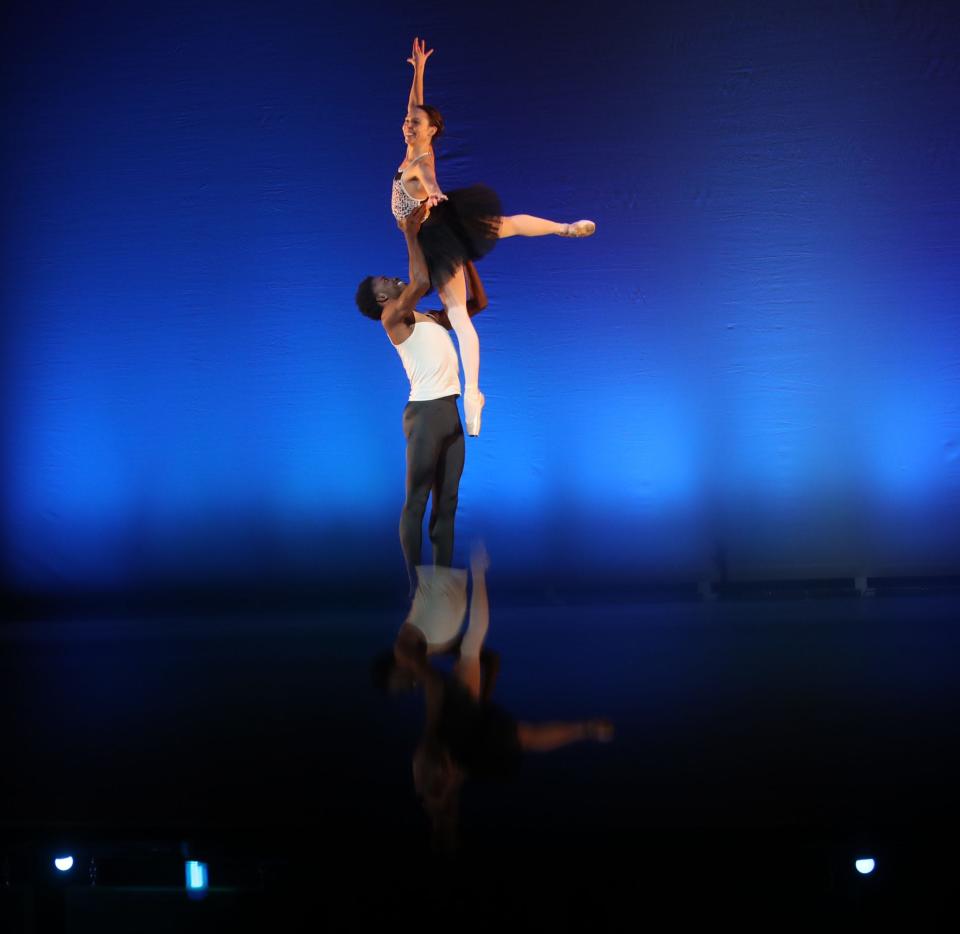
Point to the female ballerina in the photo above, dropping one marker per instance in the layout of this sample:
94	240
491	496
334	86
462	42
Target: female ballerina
463	224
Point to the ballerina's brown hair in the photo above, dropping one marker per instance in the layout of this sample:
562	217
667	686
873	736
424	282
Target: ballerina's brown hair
434	118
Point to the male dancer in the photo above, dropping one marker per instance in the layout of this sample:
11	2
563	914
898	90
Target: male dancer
431	420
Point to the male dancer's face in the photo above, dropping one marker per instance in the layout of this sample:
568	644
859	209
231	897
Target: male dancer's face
387	288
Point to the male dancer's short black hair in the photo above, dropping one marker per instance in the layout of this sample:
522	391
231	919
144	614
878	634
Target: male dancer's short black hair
367	301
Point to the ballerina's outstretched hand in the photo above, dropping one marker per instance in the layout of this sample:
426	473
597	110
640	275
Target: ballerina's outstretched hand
418	58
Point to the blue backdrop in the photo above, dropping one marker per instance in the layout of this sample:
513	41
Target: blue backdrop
754	363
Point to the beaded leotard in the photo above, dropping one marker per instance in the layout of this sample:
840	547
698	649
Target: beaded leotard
463	227
401	202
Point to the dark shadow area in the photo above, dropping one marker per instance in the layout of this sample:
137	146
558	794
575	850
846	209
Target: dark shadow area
761	747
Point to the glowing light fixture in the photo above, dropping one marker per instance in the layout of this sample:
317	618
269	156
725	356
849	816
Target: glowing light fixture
64	863
196	875
865	866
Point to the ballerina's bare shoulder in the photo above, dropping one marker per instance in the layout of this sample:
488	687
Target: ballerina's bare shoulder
410	178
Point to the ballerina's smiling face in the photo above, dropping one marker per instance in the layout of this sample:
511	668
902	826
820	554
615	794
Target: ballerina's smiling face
417	131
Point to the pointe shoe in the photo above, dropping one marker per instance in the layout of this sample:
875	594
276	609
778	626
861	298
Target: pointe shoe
579	229
473	402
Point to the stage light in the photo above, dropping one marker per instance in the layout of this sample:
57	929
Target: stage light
196	875
865	866
64	863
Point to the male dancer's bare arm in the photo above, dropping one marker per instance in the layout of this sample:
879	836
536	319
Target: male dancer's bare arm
401	308
410	653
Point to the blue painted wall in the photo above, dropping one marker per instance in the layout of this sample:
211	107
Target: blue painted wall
755	363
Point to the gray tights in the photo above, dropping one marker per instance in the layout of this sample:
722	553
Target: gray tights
435	451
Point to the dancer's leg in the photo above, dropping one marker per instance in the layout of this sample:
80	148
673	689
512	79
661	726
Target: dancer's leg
423	448
454	298
476	632
446	489
525	225
468	668
545	737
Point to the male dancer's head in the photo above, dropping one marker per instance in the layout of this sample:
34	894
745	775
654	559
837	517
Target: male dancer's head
375	291
392	301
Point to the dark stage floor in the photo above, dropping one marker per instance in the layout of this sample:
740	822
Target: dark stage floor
760	747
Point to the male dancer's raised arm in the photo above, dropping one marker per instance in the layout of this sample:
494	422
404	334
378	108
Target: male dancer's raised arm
398	312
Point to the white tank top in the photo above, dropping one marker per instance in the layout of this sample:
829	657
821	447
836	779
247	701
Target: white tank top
439	605
430	360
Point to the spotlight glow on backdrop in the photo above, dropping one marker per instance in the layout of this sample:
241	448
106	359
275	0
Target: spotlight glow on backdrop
756	357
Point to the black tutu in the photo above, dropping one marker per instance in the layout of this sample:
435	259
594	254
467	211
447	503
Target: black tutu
464	227
481	738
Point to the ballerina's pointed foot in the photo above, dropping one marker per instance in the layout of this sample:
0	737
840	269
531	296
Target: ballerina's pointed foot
473	402
579	229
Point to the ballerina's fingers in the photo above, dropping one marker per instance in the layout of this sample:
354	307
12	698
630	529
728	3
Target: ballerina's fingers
420	53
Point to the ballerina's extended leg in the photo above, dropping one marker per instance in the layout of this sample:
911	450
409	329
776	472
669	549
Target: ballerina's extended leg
526	225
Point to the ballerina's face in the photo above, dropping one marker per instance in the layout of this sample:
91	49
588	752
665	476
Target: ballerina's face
417	131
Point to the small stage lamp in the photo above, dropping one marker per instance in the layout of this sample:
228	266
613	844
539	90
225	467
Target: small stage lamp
196	876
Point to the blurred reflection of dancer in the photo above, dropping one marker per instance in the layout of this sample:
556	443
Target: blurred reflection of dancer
464	734
431	422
